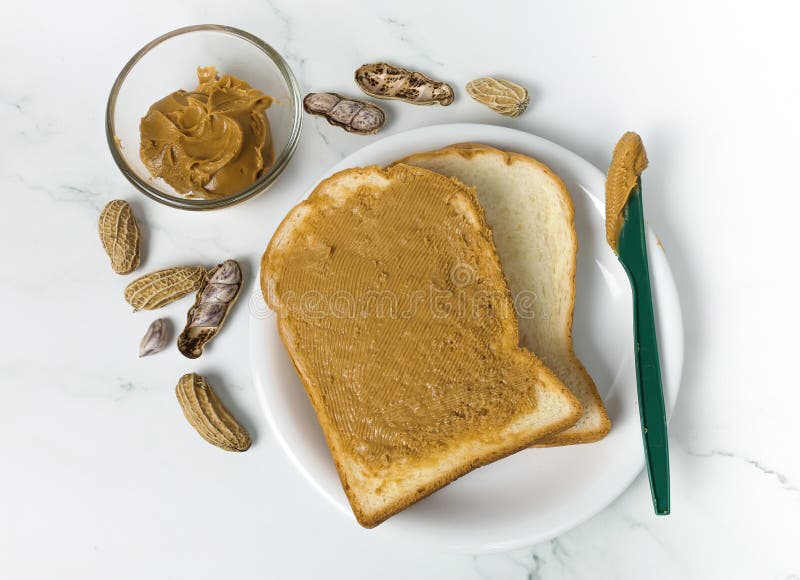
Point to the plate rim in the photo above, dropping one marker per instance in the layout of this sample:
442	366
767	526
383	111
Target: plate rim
510	543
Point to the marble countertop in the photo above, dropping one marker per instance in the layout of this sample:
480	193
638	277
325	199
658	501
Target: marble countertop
101	478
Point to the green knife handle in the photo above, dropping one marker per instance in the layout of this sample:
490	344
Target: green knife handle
633	255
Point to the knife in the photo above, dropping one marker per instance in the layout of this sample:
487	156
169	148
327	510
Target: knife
625	232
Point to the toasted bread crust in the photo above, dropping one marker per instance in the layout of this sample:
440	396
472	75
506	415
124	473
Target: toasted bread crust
370	520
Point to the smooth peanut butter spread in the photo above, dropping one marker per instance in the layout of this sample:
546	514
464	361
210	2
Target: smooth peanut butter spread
210	142
627	164
393	305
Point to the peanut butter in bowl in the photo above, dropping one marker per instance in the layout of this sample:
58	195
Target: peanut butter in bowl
210	142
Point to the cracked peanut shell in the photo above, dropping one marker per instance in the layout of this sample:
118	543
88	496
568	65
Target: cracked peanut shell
386	81
209	417
212	304
161	287
352	115
119	234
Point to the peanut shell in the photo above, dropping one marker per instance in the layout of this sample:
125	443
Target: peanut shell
209	417
499	95
352	115
386	81
119	234
161	287
215	297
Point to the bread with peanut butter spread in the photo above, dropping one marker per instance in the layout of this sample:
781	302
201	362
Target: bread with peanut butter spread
532	218
393	307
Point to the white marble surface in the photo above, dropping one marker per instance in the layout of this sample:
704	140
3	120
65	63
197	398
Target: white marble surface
100	476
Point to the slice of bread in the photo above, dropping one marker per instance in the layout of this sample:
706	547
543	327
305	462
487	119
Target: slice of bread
531	216
417	392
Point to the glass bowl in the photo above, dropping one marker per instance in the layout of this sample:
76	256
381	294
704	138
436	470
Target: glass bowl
169	63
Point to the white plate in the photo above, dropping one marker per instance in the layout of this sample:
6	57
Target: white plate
536	494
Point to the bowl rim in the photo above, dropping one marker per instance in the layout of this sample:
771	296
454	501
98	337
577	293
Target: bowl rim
207	204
